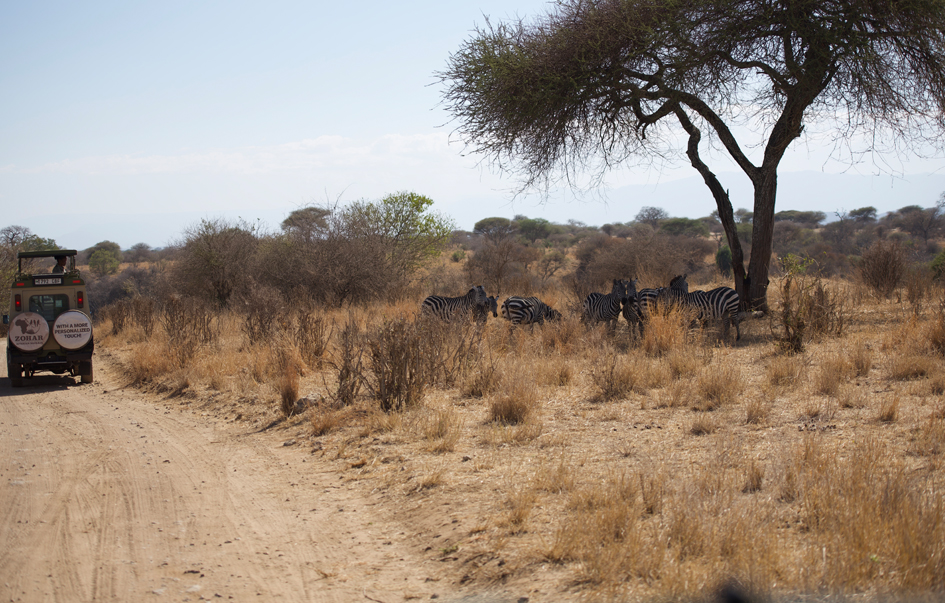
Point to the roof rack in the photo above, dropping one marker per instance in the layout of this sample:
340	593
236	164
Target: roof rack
47	253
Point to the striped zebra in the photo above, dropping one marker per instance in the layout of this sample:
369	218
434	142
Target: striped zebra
638	310
720	303
475	303
491	305
528	310
723	303
600	307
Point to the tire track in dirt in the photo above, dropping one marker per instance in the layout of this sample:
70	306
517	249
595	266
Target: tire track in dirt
109	496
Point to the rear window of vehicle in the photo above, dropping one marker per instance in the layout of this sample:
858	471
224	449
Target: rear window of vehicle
49	306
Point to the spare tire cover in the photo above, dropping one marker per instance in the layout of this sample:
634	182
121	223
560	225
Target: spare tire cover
72	329
28	331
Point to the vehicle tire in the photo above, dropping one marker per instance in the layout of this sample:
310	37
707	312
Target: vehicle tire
15	373
87	378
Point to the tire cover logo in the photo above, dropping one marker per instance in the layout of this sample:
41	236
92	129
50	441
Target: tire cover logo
29	331
72	330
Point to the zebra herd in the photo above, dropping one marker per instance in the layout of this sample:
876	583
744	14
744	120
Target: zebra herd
636	307
719	304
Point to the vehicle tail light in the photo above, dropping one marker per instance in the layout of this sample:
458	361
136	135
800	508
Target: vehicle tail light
17	302
80	298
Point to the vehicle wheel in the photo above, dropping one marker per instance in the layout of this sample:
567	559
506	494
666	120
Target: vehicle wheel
87	378
15	373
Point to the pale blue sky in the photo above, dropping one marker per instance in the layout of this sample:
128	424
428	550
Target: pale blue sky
128	121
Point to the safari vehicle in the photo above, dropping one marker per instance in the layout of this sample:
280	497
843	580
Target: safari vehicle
49	328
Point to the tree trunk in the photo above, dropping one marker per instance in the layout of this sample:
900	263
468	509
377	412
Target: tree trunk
724	205
762	233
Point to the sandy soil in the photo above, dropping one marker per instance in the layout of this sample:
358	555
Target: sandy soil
110	494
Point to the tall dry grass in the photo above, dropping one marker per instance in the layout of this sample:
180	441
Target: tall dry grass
655	469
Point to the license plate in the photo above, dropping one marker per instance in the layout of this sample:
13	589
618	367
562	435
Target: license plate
47	281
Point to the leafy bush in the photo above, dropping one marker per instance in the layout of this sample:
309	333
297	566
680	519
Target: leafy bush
103	263
723	261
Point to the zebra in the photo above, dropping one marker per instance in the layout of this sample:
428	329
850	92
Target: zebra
527	310
475	303
723	303
720	303
637	311
491	304
599	307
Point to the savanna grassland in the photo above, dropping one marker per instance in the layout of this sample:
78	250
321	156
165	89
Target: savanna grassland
576	462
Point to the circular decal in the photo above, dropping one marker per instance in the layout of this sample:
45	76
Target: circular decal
72	330
28	331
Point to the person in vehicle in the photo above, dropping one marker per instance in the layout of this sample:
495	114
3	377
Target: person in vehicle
60	266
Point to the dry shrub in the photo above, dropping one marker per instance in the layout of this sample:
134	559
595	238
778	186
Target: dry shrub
481	379
756	411
919	281
311	335
911	366
877	523
324	420
754	478
149	362
138	310
519	505
517	403
888	410
188	324
937	383
562	335
785	371
602	532
442	429
936	332
288	388
678	394
703	424
264	311
718	385
454	349
851	396
807	308
347	363
861	358
399	374
614	379
430	479
683	362
832	373
929	437
118	314
383	422
666	330
881	267
555	371
819	410
559	477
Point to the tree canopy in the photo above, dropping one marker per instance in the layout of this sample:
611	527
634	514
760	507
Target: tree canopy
598	82
403	225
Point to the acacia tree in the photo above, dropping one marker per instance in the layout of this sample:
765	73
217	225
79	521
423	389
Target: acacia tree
612	80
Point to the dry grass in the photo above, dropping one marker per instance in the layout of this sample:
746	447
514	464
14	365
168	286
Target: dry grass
833	372
593	460
718	385
786	371
442	429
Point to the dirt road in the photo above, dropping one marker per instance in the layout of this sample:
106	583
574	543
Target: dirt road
107	494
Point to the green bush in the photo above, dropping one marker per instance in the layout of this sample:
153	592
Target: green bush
723	261
938	265
103	263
